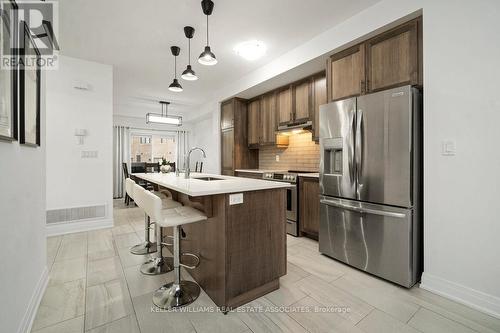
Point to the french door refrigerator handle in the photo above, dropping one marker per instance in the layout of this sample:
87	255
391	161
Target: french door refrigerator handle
359	151
363	210
350	148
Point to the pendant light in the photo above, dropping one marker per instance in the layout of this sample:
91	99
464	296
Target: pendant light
207	57
175	86
189	74
163	118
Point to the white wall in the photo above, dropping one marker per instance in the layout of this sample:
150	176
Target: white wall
73	181
23	256
205	134
461	102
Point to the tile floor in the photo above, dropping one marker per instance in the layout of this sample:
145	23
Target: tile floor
95	286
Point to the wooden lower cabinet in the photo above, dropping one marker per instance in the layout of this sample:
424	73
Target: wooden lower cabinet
309	206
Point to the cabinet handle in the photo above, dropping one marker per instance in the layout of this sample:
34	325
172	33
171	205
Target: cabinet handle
362	86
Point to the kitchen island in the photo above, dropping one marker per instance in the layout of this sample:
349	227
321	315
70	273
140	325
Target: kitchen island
242	245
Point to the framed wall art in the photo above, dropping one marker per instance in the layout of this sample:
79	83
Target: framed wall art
29	91
8	75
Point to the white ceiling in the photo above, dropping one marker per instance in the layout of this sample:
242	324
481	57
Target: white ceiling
135	37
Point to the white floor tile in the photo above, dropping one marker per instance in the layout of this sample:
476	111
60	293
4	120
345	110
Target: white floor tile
60	303
430	322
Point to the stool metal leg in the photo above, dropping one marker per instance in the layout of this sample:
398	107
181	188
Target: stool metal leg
160	264
147	247
179	292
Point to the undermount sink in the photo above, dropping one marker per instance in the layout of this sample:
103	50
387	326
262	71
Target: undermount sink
207	178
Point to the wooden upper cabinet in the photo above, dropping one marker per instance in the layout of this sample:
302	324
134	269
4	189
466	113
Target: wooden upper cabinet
254	123
393	58
227	149
319	98
285	110
268	119
227	115
302	100
346	73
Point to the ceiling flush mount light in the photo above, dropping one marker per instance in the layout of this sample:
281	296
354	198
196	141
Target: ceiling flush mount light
175	86
250	50
207	57
163	118
189	74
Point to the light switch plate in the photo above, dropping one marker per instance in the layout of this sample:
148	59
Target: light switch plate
235	199
277	158
448	148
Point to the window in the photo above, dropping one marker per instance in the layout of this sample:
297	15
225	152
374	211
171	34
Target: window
152	148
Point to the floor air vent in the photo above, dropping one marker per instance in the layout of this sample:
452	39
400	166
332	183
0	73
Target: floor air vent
75	214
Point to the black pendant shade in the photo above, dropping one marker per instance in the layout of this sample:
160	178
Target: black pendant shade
189	73
175	86
207	57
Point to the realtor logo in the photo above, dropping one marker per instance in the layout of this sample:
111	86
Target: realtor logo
29	37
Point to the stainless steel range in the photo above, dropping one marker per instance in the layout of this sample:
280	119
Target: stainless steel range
292	227
292	216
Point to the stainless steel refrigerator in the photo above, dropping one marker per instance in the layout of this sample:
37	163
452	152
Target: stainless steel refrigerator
370	183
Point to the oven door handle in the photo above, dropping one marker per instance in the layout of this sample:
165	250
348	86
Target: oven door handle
362	210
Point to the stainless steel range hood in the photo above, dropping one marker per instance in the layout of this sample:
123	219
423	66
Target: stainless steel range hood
297	127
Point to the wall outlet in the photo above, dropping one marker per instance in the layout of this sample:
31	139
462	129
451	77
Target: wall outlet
277	158
235	199
89	154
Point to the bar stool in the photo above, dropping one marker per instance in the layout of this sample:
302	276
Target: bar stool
179	292
159	264
148	247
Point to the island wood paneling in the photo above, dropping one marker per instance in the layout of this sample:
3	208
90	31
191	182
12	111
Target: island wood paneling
242	247
256	242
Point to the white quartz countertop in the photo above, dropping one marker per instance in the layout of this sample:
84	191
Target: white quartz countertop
196	187
310	175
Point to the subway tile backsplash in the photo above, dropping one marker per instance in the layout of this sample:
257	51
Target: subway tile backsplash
302	153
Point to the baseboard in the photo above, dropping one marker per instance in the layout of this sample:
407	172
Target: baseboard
473	298
36	298
62	228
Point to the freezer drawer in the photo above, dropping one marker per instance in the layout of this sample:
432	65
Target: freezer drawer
374	238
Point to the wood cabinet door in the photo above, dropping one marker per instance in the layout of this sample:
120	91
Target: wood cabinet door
227	115
268	119
319	98
392	58
302	101
346	73
227	142
285	110
254	123
309	206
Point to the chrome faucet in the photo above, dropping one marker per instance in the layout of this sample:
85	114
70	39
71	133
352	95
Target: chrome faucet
187	172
